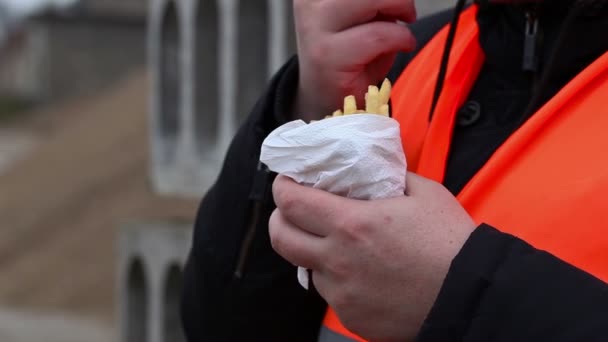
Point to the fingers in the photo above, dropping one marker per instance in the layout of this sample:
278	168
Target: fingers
318	212
365	43
417	185
344	46
343	14
294	244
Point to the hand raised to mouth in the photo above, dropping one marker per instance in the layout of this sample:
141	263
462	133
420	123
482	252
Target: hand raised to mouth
344	46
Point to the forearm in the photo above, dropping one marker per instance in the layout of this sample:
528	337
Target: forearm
501	288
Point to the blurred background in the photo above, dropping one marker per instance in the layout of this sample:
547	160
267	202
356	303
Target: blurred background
114	117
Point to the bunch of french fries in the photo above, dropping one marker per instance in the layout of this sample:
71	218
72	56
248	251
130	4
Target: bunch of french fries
376	102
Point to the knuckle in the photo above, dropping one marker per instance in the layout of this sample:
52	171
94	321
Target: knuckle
288	203
353	227
339	268
376	38
277	243
344	221
274	231
273	222
283	198
276	191
317	52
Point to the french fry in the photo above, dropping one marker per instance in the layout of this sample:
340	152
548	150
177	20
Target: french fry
376	102
384	110
385	92
372	100
350	105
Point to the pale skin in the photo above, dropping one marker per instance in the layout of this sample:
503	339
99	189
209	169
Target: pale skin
379	264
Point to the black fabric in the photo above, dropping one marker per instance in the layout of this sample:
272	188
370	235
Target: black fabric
499	288
506	93
265	303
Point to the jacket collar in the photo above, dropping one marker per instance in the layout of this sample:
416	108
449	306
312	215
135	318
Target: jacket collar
571	36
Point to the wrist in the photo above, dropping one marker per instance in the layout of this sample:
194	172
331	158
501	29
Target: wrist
306	107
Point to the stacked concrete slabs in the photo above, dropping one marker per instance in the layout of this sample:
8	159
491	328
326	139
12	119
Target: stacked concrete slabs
209	61
151	259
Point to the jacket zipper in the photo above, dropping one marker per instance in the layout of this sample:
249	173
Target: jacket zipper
257	197
531	57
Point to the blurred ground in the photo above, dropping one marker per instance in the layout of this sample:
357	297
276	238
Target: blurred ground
13	145
83	176
21	326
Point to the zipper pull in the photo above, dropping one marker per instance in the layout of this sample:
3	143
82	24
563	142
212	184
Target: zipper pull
261	183
260	191
531	43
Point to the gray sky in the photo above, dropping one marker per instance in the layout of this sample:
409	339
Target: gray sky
24	7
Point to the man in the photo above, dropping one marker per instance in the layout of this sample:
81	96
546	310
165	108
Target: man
505	145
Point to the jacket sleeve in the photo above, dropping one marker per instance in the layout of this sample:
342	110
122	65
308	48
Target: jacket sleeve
499	288
236	288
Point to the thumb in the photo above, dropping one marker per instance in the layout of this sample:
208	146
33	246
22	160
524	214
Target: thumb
415	184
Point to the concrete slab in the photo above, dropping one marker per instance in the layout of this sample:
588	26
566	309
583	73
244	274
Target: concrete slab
151	256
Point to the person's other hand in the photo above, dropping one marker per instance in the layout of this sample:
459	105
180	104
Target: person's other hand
344	46
379	264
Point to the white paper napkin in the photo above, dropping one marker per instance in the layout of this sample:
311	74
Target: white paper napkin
356	156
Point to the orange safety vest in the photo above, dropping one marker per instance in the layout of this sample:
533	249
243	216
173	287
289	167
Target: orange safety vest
547	184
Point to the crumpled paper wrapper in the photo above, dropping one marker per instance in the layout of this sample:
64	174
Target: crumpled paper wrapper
355	156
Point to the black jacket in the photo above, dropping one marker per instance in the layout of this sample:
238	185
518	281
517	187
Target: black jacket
499	288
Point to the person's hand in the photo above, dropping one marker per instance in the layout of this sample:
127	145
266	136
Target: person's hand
378	264
344	46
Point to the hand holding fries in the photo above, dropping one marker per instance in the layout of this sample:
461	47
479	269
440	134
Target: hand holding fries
345	45
340	154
